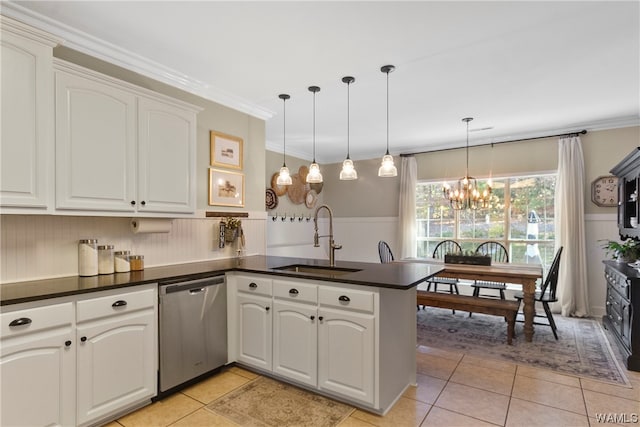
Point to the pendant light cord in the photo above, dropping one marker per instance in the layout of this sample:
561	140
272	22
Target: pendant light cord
314	127
348	83
284	131
388	111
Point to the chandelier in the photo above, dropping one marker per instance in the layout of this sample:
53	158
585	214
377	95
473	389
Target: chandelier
466	194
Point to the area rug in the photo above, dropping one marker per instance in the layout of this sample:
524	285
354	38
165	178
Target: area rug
265	402
581	349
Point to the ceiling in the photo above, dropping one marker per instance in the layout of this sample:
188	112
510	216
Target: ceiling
521	69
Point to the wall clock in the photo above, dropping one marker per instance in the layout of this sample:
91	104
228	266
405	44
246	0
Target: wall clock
604	191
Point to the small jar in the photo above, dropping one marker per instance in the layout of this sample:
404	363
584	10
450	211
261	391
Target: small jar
88	257
136	262
105	259
121	261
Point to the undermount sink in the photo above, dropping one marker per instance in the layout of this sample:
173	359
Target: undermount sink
313	269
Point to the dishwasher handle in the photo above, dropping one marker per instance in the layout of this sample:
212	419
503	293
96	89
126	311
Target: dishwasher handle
196	291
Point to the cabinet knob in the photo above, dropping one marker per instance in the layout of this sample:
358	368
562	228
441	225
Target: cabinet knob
267	308
143	203
320	318
252	285
133	203
343	298
312	317
119	303
293	291
83	339
67	343
21	321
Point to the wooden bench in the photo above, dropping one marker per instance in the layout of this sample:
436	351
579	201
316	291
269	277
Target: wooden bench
498	307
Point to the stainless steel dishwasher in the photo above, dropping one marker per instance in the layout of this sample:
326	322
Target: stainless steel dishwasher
192	329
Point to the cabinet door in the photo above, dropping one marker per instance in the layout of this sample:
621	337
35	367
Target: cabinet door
346	352
254	329
26	141
116	363
166	158
95	145
295	341
38	372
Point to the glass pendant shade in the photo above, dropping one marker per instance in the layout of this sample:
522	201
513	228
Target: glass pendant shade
387	168
348	171
284	178
314	176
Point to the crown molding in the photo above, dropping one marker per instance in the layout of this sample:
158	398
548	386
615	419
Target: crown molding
98	48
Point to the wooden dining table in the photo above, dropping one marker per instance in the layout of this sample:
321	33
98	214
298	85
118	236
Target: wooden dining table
525	275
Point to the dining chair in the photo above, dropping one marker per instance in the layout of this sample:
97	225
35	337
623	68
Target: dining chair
441	249
384	251
547	293
498	253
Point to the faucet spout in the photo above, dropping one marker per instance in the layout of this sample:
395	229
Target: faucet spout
316	238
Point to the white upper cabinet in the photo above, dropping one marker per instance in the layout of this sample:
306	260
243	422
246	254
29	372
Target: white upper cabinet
120	148
26	141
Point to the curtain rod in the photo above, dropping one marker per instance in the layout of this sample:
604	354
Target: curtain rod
580	132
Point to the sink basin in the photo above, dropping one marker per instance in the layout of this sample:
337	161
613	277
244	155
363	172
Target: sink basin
313	269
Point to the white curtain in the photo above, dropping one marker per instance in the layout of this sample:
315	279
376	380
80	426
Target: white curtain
407	208
570	230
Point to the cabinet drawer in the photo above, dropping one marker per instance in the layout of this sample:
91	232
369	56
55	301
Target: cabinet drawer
346	298
292	291
114	304
614	302
255	285
36	319
618	282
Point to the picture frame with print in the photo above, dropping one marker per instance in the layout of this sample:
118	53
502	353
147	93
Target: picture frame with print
226	188
226	150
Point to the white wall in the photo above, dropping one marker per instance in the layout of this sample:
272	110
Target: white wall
45	246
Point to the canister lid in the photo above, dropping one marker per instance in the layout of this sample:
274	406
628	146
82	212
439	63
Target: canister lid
91	241
122	252
136	257
106	247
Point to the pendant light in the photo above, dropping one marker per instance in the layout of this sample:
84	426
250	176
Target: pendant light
284	178
387	168
348	171
314	175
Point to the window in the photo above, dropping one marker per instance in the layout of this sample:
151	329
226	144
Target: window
520	216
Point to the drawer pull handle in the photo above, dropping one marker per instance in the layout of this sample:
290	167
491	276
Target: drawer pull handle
21	321
293	291
343	298
253	285
67	343
119	303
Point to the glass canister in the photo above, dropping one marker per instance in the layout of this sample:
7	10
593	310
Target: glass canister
121	261
105	259
88	257
136	262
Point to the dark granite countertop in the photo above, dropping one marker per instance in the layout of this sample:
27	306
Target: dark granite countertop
394	275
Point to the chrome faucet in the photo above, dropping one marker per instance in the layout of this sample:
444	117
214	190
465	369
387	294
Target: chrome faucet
316	238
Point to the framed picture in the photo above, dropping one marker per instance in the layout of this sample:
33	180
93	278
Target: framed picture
226	150
226	188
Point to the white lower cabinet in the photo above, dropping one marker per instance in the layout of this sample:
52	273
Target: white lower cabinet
37	367
324	337
116	354
77	362
346	344
254	325
295	341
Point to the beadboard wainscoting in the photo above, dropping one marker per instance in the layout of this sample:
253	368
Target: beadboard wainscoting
44	246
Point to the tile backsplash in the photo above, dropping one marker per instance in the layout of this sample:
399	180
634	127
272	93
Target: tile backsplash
44	246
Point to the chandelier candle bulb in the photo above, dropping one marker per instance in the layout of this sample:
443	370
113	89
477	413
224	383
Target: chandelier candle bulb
88	257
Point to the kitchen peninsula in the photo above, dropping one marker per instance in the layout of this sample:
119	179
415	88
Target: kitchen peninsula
346	331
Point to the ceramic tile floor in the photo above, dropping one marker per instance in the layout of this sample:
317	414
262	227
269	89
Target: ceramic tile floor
453	389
